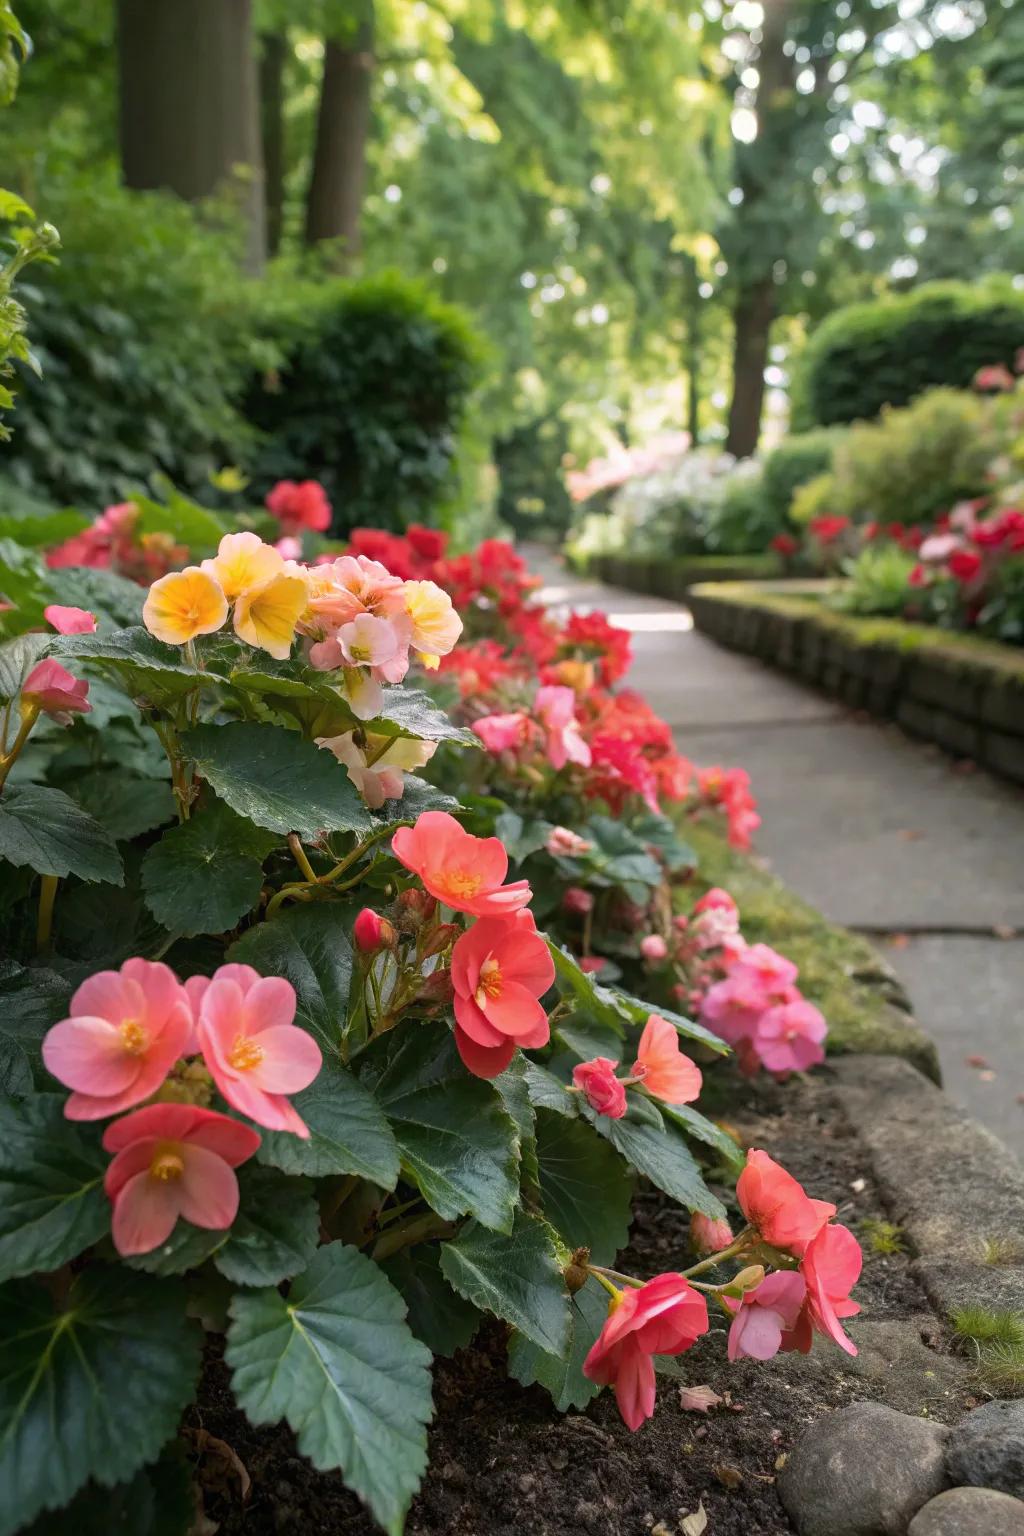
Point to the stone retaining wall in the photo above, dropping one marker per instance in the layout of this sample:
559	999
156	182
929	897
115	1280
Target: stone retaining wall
964	695
673	576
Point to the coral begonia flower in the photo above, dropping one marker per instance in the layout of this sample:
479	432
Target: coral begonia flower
50	688
501	968
789	1037
464	871
436	626
830	1267
70	621
763	1315
184	604
243	562
173	1160
254	1052
605	1093
556	708
779	1207
503	733
266	616
664	1317
301	504
661	1066
126	1030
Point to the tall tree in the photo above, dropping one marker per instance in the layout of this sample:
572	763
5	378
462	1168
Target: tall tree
189	119
273	56
335	200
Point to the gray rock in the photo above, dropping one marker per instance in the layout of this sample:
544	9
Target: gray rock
987	1448
969	1512
864	1471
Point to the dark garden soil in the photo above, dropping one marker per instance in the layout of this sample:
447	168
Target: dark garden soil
503	1461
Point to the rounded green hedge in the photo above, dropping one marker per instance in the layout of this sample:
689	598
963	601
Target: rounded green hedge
369	398
888	351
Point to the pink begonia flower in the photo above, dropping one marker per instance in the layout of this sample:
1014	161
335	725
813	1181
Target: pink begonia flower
664	1317
367	641
831	1267
577	901
777	1206
371	932
503	733
661	1066
463	871
173	1160
556	709
52	690
763	966
500	969
604	1092
298	505
591	964
789	1037
255	1054
70	621
653	947
392	758
708	1235
125	1031
763	1315
716	899
562	841
733	1008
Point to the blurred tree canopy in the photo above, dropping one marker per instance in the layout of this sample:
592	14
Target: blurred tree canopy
643	205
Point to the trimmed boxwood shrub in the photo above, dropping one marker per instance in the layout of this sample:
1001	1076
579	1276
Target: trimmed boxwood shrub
369	397
796	460
888	351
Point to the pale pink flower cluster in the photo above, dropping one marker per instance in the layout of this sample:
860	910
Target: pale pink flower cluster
362	619
126	1041
552	728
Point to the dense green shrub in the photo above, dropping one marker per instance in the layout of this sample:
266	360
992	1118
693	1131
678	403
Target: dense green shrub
888	351
143	332
741	522
797	459
369	398
532	498
909	465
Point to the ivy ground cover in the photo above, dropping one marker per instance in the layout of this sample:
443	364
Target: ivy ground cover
352	982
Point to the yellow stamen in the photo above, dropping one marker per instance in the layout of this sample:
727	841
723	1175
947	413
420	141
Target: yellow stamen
167	1163
245	1054
489	982
133	1037
462	883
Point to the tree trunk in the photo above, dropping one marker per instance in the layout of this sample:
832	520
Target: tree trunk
273	53
753	316
754	309
188	104
335	199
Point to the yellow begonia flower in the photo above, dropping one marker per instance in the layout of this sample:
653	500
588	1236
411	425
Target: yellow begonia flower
267	616
242	563
435	625
184	604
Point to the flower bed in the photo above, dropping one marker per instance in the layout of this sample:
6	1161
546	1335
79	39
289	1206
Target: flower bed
963	693
343	1078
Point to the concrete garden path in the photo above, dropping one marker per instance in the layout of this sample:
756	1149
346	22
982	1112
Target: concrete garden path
882	834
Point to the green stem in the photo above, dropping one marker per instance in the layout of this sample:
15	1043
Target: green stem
28	720
44	923
736	1246
299	855
408	1232
600	1270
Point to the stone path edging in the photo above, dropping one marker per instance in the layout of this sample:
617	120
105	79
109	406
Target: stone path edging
954	697
950	1184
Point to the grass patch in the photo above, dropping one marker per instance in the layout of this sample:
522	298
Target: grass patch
996	1339
880	1236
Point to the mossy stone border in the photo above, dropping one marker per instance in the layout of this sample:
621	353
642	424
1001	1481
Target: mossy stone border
673	576
961	692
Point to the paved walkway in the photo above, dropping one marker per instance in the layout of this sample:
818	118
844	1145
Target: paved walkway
881	833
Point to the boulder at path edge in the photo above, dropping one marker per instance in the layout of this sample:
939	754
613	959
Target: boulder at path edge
969	1512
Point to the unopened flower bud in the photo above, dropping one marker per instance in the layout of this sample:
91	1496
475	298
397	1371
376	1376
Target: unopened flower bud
576	1273
653	947
577	900
437	987
747	1280
414	908
372	932
438	941
708	1235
